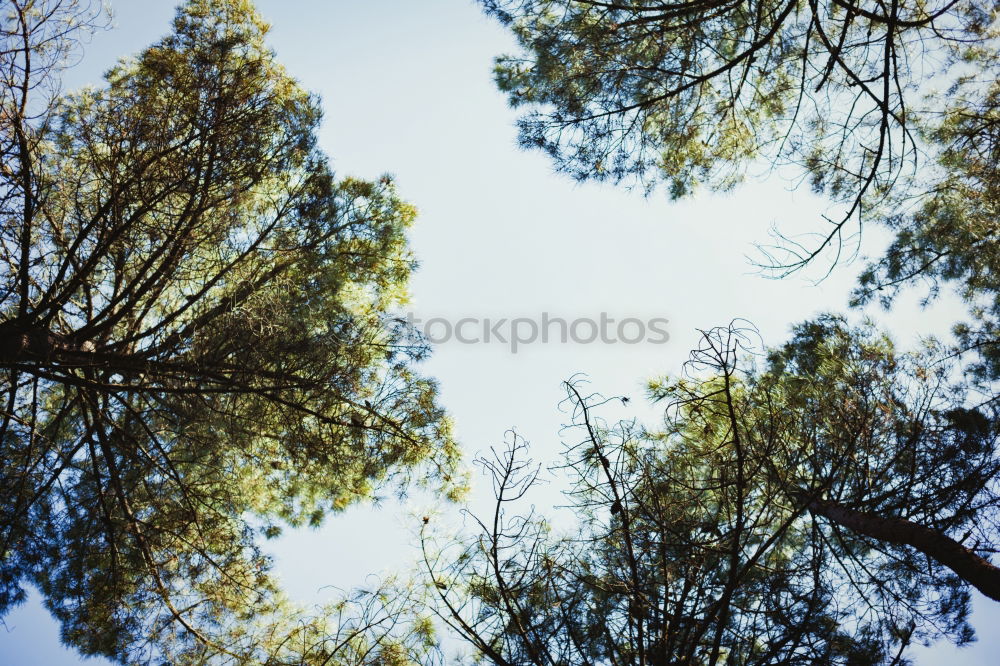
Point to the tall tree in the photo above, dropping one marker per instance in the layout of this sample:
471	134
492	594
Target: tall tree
696	92
195	338
831	506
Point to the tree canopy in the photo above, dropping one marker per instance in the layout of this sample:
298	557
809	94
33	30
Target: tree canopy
198	348
831	505
698	92
196	340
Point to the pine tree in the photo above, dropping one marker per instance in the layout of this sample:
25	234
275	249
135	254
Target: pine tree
689	93
831	505
196	340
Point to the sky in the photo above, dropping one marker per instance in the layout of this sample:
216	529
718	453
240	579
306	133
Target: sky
406	88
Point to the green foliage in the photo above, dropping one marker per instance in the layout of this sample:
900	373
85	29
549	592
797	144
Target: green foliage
697	92
196	341
950	236
711	540
693	91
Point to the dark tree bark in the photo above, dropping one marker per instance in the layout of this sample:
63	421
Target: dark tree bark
973	569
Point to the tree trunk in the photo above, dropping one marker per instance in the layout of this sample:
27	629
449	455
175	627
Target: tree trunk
973	569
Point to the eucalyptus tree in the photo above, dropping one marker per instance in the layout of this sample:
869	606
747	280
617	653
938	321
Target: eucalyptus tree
196	340
830	504
646	91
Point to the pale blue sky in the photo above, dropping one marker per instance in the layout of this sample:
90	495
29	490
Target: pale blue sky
406	88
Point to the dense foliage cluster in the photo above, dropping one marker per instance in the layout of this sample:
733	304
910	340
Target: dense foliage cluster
194	334
698	92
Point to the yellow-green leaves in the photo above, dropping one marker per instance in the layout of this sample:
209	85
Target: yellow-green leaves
204	346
